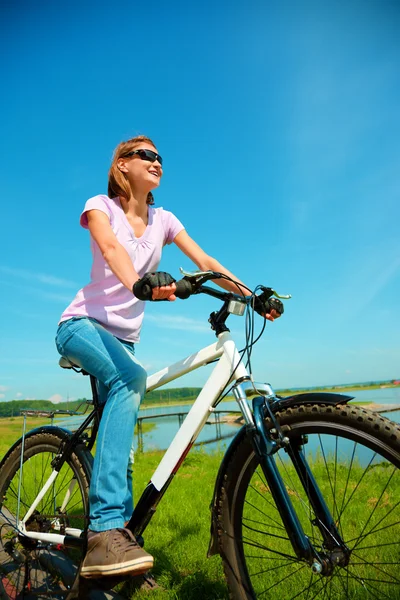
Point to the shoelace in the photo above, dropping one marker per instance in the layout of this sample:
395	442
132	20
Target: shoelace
117	543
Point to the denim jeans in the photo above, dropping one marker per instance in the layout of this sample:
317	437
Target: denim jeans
121	386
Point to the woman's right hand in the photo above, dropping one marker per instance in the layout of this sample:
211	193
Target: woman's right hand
155	286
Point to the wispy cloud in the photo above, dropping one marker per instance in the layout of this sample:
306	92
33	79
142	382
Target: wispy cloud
43	293
56	398
3	388
36	277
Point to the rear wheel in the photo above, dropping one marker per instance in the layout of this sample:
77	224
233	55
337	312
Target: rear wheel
28	568
354	455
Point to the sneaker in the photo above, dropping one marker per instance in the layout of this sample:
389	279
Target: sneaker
114	552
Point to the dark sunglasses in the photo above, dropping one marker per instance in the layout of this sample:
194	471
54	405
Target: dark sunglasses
146	155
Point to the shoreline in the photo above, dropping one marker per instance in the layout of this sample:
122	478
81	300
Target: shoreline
334	390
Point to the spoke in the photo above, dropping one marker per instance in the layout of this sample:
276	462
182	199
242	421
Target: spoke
52	497
247	519
334	477
267	502
362	562
77	503
374	565
373	531
24	494
275	568
281	580
323	587
258	557
262	512
329	476
308	485
308	588
358	484
44	469
345	589
306	506
348	479
15	494
378	545
374	509
363	580
274	535
261	547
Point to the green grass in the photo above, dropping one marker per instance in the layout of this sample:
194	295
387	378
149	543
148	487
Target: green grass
178	534
11	430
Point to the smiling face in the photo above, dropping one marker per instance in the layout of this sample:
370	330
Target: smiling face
142	174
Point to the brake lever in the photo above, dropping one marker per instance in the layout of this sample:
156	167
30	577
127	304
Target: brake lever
281	296
200	277
196	274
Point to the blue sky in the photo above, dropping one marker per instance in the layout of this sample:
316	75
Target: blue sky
279	125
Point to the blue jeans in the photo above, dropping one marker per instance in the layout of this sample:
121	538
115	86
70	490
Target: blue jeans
121	386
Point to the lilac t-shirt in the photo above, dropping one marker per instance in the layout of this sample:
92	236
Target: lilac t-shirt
105	298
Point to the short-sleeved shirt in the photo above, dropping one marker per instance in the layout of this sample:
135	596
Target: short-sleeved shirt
105	298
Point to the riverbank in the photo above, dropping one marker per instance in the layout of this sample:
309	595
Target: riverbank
337	390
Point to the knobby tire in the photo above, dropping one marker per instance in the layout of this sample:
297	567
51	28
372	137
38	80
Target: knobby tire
354	455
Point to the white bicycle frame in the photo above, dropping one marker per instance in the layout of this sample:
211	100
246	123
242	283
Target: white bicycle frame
229	368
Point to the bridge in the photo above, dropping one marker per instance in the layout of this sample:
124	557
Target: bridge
72	420
217	421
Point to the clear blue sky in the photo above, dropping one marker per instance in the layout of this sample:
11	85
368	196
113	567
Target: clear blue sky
279	125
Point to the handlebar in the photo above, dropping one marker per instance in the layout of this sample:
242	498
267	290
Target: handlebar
192	283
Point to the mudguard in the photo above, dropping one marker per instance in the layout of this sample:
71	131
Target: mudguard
311	398
63	434
279	404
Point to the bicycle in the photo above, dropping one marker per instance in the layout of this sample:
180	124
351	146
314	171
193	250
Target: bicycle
305	501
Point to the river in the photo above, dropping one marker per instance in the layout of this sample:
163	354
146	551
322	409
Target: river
164	429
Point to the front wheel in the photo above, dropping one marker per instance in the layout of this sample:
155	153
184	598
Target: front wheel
28	568
354	456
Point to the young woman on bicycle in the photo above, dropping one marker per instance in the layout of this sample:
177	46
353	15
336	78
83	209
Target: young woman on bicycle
100	327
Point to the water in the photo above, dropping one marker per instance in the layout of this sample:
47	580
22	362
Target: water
164	430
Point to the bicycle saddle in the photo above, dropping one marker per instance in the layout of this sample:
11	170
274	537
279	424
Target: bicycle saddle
65	363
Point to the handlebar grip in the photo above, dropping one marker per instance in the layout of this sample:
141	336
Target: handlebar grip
184	288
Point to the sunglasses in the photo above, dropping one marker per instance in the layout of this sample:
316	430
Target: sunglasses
146	155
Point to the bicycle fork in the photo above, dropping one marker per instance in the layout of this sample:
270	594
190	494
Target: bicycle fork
334	552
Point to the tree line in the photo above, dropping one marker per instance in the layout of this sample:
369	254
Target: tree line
12	408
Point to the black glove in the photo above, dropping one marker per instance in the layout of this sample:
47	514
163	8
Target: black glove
143	288
264	303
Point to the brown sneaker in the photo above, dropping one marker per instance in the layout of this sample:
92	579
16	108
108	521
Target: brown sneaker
114	552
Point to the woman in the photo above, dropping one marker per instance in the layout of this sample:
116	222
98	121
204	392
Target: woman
99	328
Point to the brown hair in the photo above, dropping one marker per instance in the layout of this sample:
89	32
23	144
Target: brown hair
117	182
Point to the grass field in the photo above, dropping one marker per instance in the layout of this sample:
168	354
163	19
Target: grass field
178	534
